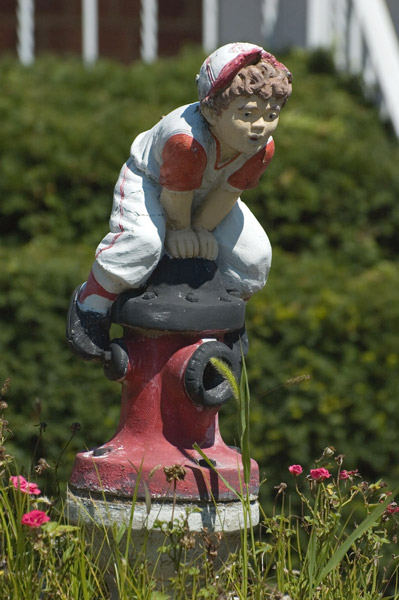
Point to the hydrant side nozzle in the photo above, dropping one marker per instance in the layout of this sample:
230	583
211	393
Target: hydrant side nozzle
116	367
203	384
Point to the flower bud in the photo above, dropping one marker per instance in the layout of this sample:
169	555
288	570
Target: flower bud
328	452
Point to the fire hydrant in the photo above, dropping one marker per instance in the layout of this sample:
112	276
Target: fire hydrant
171	396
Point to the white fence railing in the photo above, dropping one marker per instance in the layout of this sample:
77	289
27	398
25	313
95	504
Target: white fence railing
89	31
360	32
364	42
26	31
90	47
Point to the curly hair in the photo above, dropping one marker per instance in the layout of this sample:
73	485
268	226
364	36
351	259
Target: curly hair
263	79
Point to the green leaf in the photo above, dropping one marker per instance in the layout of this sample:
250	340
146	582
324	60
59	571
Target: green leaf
366	524
50	526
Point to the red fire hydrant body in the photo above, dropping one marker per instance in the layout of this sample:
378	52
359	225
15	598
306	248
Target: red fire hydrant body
159	424
171	394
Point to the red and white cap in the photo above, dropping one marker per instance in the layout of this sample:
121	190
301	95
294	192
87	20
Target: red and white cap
220	68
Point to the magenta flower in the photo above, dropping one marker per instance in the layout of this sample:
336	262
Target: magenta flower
24	486
392	508
295	470
347	474
34	518
320	474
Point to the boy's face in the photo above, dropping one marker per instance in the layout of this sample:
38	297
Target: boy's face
246	124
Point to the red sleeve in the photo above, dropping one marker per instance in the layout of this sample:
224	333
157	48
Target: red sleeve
183	163
248	175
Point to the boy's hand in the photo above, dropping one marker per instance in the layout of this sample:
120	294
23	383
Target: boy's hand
188	243
182	243
208	246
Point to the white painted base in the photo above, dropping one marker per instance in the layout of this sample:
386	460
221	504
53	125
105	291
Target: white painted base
204	520
226	517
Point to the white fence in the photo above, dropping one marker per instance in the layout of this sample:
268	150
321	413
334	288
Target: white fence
360	33
90	52
364	42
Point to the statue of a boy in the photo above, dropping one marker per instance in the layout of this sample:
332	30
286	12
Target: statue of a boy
179	192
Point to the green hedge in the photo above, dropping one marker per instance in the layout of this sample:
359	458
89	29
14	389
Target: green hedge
341	329
328	203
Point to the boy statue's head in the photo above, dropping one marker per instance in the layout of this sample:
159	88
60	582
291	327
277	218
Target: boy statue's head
242	89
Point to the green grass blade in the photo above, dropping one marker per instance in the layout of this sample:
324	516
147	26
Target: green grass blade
242	395
212	466
359	531
244	399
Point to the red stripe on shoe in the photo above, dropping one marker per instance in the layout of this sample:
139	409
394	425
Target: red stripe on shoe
93	287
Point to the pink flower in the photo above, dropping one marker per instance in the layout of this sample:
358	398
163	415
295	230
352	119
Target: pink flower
347	474
295	470
34	518
24	486
320	474
392	508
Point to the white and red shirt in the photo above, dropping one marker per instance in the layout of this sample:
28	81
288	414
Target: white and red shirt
181	154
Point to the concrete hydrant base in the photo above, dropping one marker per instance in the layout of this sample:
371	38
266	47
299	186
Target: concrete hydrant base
203	521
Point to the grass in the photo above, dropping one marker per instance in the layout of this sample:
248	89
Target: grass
341	544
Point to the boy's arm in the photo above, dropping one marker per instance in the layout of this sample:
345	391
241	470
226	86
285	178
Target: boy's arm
211	212
180	239
214	208
177	206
